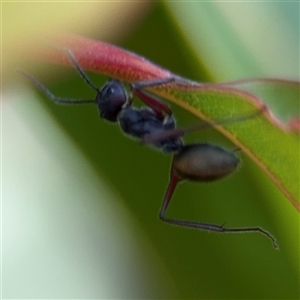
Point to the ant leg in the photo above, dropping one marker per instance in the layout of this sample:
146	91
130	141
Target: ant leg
51	96
179	132
153	102
151	82
174	180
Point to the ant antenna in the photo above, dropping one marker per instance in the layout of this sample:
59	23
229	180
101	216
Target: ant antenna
51	96
61	100
79	69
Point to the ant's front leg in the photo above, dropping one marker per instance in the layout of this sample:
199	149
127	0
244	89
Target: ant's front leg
153	102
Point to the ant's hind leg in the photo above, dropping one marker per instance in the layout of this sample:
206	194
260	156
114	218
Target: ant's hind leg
180	132
174	180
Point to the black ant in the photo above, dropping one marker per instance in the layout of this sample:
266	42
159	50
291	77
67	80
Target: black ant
155	125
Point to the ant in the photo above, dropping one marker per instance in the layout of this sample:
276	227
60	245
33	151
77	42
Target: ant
155	125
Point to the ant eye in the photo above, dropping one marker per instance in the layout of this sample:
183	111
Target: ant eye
110	90
107	91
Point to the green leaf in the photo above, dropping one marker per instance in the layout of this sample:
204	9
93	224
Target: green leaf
271	144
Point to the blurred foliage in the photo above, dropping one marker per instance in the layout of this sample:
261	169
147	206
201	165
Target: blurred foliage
203	266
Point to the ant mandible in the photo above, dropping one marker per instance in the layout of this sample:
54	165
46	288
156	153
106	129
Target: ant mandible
155	125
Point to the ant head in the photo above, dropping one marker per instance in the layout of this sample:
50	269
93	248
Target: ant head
111	99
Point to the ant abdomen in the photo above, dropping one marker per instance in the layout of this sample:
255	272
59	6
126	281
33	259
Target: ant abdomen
204	162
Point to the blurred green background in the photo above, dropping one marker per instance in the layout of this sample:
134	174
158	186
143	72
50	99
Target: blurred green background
80	200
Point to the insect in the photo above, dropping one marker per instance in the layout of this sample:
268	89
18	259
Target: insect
155	124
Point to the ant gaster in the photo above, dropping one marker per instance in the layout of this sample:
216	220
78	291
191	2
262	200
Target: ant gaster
155	125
